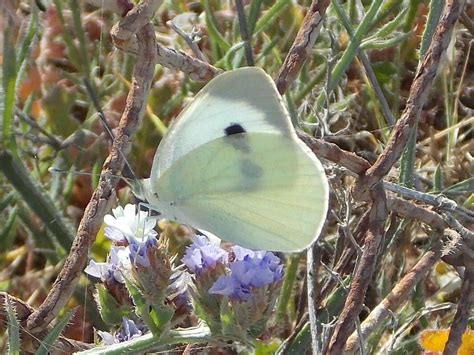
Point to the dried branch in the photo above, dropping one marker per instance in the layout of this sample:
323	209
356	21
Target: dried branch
461	317
440	202
363	273
406	209
396	297
31	343
124	38
302	45
332	152
101	198
191	40
419	90
313	259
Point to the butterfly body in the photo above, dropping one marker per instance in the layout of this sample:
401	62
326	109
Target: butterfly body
232	165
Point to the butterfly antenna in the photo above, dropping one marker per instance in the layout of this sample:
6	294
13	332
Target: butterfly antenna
53	170
127	171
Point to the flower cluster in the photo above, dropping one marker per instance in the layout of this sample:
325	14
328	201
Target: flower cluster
133	235
137	273
234	292
249	270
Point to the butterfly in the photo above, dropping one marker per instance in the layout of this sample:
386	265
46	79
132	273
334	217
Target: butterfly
231	164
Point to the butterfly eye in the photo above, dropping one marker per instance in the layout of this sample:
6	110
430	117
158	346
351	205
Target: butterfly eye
234	128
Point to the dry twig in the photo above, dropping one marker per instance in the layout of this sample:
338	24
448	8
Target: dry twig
363	273
419	90
461	317
396	297
302	45
100	201
30	342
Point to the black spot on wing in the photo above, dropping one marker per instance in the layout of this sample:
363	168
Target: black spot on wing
234	128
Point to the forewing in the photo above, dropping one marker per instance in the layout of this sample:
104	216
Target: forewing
261	191
245	97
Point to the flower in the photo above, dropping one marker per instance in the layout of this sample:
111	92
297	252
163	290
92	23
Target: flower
249	270
202	254
139	251
118	262
132	225
115	235
128	331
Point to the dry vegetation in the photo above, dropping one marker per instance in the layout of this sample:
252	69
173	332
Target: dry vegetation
381	91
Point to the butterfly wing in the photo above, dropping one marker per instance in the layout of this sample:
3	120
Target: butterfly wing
259	190
246	97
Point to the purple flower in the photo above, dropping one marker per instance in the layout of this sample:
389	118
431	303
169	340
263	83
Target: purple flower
231	287
249	270
115	235
112	269
139	251
128	331
201	255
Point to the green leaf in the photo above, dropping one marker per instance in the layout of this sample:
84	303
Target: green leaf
214	34
111	312
350	52
461	187
385	43
48	342
6	200
391	26
7	231
438	179
36	198
254	11
271	15
13	329
9	73
436	7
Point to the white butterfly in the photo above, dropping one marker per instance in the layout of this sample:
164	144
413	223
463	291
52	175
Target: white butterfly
231	164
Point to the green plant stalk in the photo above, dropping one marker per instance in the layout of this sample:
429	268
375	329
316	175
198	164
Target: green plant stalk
40	238
7	230
200	334
436	7
74	55
48	343
391	26
350	52
254	11
335	302
375	91
13	329
225	61
408	158
270	16
9	70
388	8
36	198
25	46
267	48
315	80
287	288
385	43
214	33
79	30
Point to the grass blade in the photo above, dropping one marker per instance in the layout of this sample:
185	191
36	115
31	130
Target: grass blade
36	198
53	335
